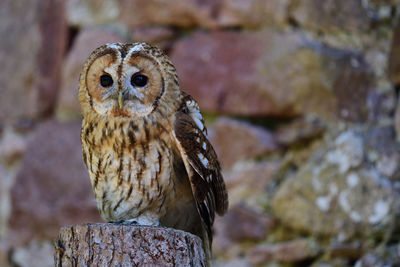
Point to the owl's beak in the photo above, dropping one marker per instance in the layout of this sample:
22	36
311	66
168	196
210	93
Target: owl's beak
120	99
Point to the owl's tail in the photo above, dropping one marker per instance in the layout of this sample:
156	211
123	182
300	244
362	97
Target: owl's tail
206	237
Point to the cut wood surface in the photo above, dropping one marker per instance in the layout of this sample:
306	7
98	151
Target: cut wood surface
108	244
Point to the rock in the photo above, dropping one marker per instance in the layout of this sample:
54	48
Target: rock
352	72
381	104
381	10
188	13
394	57
391	257
345	250
237	262
205	14
290	251
86	41
397	120
336	262
5	182
247	181
370	260
240	223
283	74
53	29
299	131
3	254
253	13
384	151
247	184
91	13
339	192
236	140
12	147
155	35
331	16
34	254
34	53
18	54
384	2
152	34
52	188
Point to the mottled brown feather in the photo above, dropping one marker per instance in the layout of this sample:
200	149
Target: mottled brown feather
207	183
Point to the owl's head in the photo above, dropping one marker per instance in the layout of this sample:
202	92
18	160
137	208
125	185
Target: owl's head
126	80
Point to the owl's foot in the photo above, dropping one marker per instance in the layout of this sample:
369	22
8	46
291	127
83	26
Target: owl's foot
148	219
138	221
126	222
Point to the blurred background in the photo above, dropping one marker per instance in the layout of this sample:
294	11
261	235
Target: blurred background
299	97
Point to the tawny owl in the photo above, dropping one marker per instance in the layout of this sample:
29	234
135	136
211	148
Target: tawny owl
145	144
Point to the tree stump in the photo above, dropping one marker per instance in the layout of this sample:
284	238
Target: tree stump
108	244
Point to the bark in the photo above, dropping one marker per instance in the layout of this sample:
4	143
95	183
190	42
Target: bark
107	244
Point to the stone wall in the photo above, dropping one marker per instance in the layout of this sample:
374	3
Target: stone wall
300	98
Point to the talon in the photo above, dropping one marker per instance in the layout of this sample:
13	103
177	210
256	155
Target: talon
117	222
131	222
125	222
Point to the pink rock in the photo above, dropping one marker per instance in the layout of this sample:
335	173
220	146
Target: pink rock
332	15
241	223
152	34
18	55
53	29
268	73
290	251
3	254
210	14
234	140
52	188
187	13
31	57
248	181
90	13
155	35
252	13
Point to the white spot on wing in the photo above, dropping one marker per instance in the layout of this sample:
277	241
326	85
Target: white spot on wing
198	123
204	145
195	114
198	115
203	160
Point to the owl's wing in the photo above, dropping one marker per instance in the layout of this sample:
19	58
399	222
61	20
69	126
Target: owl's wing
201	162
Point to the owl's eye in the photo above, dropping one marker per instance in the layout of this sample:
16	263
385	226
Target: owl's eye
106	80
139	80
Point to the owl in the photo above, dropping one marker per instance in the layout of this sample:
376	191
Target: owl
145	144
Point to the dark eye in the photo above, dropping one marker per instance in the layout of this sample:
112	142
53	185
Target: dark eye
106	80
138	80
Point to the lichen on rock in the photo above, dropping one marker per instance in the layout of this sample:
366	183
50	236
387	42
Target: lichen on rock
338	192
